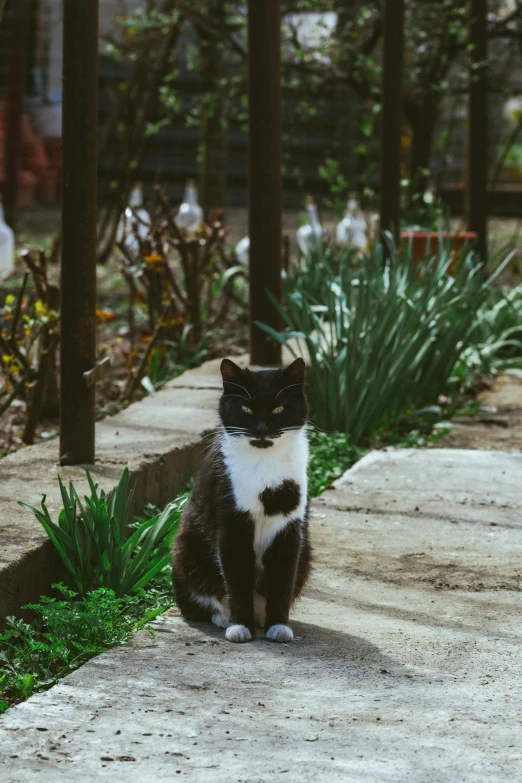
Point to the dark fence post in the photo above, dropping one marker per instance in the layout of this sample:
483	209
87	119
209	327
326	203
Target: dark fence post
79	202
477	163
391	119
264	175
18	21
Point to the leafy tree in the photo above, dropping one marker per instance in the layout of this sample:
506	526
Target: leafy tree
345	60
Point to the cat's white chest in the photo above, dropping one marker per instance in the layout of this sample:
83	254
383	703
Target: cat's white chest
252	470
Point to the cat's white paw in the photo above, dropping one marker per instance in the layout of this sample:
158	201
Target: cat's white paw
238	633
221	620
280	633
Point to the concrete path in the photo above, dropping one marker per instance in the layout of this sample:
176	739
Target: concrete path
406	664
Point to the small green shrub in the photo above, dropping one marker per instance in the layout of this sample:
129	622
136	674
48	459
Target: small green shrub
173	358
97	544
496	338
383	341
330	455
68	631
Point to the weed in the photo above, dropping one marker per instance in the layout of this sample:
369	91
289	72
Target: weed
95	541
69	630
386	342
330	455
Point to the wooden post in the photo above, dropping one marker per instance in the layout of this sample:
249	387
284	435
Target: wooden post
265	179
391	120
477	163
18	27
79	206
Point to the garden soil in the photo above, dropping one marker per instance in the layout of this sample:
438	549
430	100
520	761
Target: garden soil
497	424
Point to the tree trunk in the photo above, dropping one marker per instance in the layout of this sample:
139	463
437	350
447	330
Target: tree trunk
422	121
213	147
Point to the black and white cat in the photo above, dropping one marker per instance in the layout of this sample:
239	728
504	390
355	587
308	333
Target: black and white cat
243	555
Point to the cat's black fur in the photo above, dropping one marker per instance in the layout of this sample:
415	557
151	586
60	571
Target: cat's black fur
214	550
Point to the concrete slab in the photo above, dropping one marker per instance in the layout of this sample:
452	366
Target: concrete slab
158	439
405	666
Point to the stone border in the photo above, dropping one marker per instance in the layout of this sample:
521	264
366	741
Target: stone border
159	439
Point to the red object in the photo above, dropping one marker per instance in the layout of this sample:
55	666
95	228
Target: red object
34	156
40	165
48	185
53	147
26	189
426	243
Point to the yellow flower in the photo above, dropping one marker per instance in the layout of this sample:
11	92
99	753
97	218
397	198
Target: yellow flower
9	300
153	259
104	315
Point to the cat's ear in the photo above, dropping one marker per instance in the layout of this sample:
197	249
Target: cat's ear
230	372
294	373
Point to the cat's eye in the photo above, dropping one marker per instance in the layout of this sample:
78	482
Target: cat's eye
246	410
279	409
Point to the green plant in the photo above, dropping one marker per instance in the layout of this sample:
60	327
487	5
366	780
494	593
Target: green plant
173	358
96	545
382	340
182	285
496	338
69	630
330	455
421	213
29	337
338	185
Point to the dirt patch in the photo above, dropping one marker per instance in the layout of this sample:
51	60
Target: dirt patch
497	425
422	569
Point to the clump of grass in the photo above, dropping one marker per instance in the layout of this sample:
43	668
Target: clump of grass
386	341
67	631
330	455
99	544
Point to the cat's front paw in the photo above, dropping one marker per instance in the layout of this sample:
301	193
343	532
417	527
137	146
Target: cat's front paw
221	620
238	633
279	633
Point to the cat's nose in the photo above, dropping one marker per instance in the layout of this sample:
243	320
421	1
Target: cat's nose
261	428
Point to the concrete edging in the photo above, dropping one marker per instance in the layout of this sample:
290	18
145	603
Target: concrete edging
158	438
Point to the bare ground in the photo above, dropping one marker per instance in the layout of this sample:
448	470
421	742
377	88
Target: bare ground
498	423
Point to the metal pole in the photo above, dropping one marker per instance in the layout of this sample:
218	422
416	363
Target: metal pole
265	180
79	205
477	168
391	119
19	24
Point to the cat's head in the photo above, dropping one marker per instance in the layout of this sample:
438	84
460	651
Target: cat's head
262	405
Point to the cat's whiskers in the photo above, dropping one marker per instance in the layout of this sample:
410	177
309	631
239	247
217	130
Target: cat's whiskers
287	387
239	387
235	432
238	395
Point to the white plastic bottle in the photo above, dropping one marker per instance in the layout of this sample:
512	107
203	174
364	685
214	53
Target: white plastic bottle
310	235
7	246
190	214
135	212
243	251
352	231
